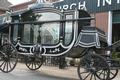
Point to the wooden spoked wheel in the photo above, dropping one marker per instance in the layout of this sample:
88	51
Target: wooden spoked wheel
93	67
34	63
8	58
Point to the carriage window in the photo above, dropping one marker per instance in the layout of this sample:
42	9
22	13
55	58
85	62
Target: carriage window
47	35
49	31
15	30
32	34
68	30
43	33
26	34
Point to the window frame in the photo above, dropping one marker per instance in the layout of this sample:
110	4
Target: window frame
41	11
69	13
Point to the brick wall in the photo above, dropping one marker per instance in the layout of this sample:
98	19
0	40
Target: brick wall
102	21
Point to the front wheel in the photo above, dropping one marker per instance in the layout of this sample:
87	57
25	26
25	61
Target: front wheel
34	63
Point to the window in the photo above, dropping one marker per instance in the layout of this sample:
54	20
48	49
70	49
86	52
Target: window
26	33
15	31
68	30
47	33
43	33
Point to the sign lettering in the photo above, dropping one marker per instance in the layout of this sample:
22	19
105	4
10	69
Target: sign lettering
82	6
89	5
106	1
73	5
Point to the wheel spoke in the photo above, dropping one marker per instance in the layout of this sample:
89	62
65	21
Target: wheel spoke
91	76
112	73
2	63
95	77
9	64
86	76
83	72
29	63
104	75
32	65
4	66
35	64
100	73
38	63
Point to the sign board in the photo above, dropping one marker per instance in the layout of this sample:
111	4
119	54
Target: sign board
91	6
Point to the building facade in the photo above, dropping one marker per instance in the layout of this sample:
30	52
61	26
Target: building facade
4	5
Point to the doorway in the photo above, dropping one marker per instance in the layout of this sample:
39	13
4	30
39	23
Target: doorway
116	26
116	32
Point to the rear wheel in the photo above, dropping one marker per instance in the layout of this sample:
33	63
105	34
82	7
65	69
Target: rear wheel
93	67
8	58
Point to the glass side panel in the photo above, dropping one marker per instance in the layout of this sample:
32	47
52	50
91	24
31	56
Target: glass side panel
32	34
15	30
26	34
43	33
68	30
50	35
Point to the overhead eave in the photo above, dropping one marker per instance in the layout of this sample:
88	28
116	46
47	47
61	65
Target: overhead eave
25	3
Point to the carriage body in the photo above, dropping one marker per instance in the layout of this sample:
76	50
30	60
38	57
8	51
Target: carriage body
55	32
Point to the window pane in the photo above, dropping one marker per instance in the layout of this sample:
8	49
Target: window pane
15	31
15	35
26	34
68	30
36	34
50	35
47	33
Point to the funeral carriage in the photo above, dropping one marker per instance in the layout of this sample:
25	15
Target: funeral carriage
41	30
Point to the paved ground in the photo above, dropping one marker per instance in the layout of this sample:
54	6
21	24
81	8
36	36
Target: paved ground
118	76
21	72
